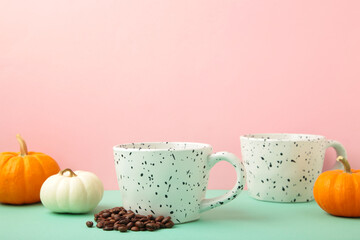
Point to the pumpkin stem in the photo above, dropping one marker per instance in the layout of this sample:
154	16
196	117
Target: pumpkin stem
345	162
23	147
72	174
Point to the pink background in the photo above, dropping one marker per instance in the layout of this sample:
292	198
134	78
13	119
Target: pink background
78	77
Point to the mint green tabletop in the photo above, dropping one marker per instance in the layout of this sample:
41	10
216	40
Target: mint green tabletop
243	218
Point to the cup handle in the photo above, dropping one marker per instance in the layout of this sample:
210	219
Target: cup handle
211	203
340	151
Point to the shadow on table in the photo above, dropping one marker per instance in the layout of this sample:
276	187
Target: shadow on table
232	215
37	204
96	210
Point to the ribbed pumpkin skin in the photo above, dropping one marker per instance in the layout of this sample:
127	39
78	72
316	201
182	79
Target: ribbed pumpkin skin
72	194
338	193
21	177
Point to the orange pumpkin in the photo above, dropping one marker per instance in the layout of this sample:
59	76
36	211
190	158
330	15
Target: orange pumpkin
338	191
22	174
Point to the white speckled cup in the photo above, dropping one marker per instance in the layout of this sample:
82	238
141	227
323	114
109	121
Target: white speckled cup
170	178
284	167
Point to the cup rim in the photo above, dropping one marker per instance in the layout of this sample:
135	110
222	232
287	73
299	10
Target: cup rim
121	147
297	137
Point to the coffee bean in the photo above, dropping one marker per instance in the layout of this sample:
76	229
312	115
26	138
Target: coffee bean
100	224
124	221
108	228
135	229
169	224
150	217
139	224
123	229
159	218
89	224
130	225
165	220
151	226
120	226
116	210
106	215
135	219
108	223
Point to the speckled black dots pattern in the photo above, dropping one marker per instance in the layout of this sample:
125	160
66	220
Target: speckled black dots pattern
282	170
165	179
241	179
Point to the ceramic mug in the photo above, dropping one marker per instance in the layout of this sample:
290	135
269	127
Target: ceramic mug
284	167
170	178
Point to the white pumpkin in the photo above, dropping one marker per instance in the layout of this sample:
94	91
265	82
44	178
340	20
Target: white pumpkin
72	192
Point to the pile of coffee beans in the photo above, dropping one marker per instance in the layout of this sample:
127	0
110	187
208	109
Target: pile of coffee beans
122	220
